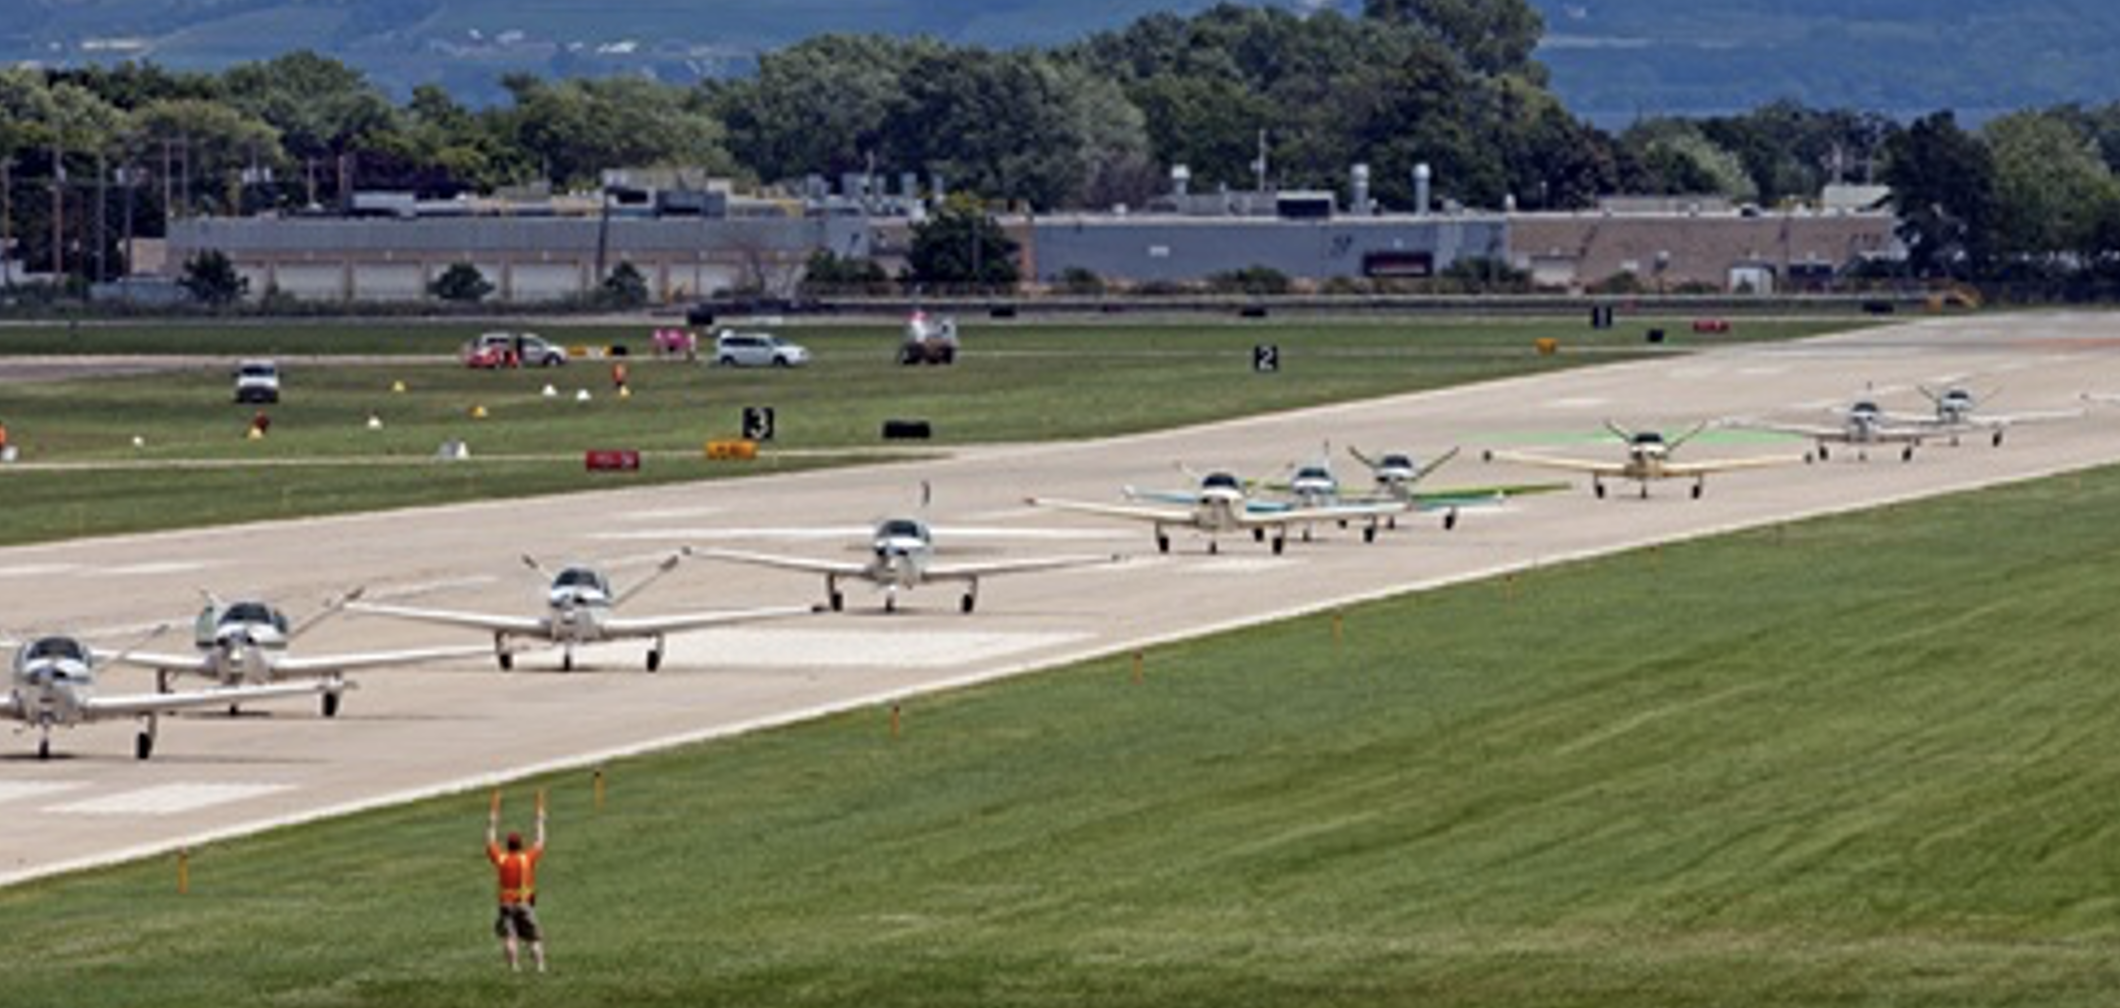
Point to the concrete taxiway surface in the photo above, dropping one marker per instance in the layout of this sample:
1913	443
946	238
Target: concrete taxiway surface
415	731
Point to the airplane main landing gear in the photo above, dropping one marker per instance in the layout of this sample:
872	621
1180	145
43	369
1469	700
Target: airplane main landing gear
1369	533
832	596
501	655
144	743
890	601
1258	535
566	660
1450	519
1279	542
1598	487
1162	542
1213	547
1699	487
965	604
44	745
1996	441
331	703
655	655
1907	454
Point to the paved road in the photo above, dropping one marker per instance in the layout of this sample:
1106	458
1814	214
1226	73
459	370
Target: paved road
420	731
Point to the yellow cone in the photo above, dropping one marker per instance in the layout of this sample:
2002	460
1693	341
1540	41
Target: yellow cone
625	392
478	412
397	386
256	434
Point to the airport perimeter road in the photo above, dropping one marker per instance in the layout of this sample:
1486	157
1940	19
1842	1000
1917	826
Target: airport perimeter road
407	732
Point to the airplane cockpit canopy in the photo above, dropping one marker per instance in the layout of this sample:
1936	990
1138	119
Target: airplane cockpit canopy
1396	462
582	578
1220	481
902	528
1646	439
1864	407
1318	473
254	612
55	649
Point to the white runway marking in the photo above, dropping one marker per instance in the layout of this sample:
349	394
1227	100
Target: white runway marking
1762	372
25	790
168	799
916	648
35	570
1236	565
153	569
1577	402
672	514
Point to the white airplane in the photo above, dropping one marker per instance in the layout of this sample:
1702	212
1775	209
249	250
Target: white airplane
54	686
1648	459
902	557
245	642
580	608
1220	507
1957	411
1862	424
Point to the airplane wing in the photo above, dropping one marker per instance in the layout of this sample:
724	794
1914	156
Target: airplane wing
1178	497
649	626
1555	462
1325	513
8	707
968	571
479	621
1708	466
843	568
1134	512
156	703
195	662
1829	432
312	665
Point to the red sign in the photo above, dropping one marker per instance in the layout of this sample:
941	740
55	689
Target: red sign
612	460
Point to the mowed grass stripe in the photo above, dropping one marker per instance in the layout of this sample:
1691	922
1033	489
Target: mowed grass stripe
1860	760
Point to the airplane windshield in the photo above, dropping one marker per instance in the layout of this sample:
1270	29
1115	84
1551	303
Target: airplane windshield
1313	473
1396	462
255	612
901	528
1647	438
1864	406
1220	481
61	648
580	577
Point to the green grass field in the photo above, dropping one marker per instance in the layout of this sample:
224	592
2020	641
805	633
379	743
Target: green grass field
1029	382
1853	761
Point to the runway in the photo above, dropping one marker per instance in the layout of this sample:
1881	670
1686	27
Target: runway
420	731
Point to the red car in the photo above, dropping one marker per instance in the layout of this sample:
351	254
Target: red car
499	349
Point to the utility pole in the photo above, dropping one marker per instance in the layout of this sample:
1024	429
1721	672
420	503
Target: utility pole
128	177
7	219
102	219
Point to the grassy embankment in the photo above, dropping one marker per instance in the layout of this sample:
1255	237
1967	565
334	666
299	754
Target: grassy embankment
1855	761
1027	382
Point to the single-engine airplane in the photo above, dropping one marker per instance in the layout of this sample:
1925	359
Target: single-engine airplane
1957	411
245	642
1648	459
902	557
580	608
54	686
1220	507
1862	424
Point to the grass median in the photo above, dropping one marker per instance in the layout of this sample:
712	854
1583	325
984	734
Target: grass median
1034	382
1857	761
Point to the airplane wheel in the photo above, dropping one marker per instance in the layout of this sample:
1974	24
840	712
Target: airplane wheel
1258	535
890	603
1213	547
1369	534
44	749
965	604
1823	455
1392	522
1343	523
1162	544
1278	543
1306	534
655	660
566	662
143	745
1697	490
1449	521
1907	455
838	601
506	660
1997	442
331	705
1598	489
234	711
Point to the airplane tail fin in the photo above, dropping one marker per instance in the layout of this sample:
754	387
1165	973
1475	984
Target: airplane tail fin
331	607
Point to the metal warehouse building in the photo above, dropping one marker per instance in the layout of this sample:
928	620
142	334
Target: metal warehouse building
1173	247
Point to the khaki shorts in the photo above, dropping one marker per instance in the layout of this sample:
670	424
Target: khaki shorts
518	920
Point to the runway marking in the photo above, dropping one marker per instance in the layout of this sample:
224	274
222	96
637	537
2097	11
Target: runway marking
1236	565
920	648
36	570
1762	372
153	569
24	790
1577	402
672	514
168	799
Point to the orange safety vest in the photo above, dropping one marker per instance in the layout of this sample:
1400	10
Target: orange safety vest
518	873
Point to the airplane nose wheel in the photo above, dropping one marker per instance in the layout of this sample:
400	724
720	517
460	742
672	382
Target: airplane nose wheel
1279	543
331	704
965	604
1698	489
1369	534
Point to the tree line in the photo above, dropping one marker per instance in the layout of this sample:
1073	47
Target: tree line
1238	94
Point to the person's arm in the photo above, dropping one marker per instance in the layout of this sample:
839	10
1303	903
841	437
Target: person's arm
493	822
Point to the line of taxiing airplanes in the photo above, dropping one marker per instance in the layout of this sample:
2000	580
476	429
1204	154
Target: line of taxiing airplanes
242	646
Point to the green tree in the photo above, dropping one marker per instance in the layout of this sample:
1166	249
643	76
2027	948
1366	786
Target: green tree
961	244
461	283
1943	188
1492	36
624	288
822	105
211	278
827	272
2051	186
577	128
